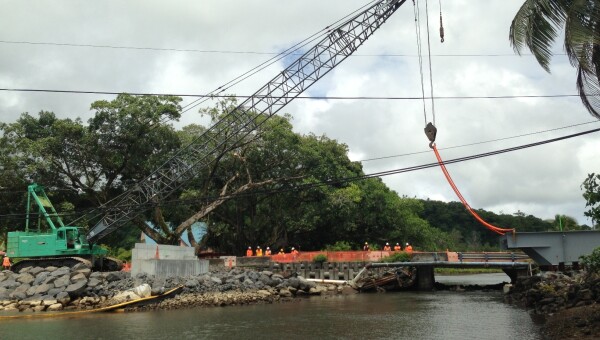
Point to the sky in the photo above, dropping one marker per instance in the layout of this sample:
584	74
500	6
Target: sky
193	47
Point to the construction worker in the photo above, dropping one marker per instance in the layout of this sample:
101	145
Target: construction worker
249	251
6	263
259	251
397	247
366	247
408	248
294	252
387	247
268	252
281	252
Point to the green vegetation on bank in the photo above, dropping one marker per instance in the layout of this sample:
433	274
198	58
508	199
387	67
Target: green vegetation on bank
275	188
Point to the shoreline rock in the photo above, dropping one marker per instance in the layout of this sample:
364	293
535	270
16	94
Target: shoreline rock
568	301
36	289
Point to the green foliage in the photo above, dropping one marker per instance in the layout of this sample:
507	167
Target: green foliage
400	256
339	246
118	253
591	185
320	258
591	262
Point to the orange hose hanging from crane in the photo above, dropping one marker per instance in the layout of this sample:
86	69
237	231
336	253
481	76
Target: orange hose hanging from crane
491	227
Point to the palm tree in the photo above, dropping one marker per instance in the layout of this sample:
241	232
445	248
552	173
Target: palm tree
536	26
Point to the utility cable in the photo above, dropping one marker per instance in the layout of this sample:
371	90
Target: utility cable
256	52
285	97
339	181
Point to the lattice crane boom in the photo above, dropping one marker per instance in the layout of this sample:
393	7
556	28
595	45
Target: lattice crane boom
335	47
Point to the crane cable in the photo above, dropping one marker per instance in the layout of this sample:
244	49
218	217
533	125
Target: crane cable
431	130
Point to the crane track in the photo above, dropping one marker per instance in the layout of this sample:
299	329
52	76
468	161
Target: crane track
104	264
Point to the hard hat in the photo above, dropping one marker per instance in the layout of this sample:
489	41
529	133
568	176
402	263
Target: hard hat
293	248
406	243
387	244
397	244
258	247
366	243
249	247
268	248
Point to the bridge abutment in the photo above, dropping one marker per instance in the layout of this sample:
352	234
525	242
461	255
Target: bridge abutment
425	278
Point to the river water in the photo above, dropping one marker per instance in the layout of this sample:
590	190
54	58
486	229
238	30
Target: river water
404	315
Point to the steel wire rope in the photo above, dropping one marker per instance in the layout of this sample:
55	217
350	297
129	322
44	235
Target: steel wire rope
430	68
282	55
372	175
419	53
255	70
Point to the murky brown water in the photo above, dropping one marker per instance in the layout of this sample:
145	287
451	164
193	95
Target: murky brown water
436	315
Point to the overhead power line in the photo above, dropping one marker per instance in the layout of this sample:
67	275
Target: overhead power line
299	97
307	186
192	50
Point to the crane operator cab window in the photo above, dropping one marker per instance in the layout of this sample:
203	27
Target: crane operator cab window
72	238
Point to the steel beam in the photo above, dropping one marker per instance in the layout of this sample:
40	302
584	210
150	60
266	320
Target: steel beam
553	248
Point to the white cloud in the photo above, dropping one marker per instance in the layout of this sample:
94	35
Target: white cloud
543	181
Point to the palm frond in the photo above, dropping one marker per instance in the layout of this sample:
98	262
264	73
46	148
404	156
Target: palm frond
536	26
588	86
581	33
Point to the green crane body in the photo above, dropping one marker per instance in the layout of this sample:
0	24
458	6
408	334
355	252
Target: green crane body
51	238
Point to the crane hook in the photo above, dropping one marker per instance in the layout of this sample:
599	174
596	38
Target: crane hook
430	132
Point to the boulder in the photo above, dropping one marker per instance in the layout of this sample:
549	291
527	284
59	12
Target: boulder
61	271
39	308
10	284
114	276
48	300
192	283
43	288
25	278
62	281
75	289
78	277
124	297
63	298
50	269
142	291
285	293
40	278
25	270
55	307
36	270
93	282
55	291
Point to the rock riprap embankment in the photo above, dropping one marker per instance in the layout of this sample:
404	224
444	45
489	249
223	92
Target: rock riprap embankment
36	289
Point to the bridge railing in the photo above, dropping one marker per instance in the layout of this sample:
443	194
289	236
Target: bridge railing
377	256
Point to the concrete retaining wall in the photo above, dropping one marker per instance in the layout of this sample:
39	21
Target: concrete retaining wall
165	261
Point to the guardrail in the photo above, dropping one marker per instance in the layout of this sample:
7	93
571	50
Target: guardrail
377	256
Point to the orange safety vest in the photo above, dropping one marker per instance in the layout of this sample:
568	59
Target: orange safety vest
281	252
6	262
268	252
259	252
397	248
295	252
387	248
249	252
409	249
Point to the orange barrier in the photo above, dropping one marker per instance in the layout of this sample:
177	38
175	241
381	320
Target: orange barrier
333	256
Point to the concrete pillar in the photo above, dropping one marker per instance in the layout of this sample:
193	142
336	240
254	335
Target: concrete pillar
425	279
